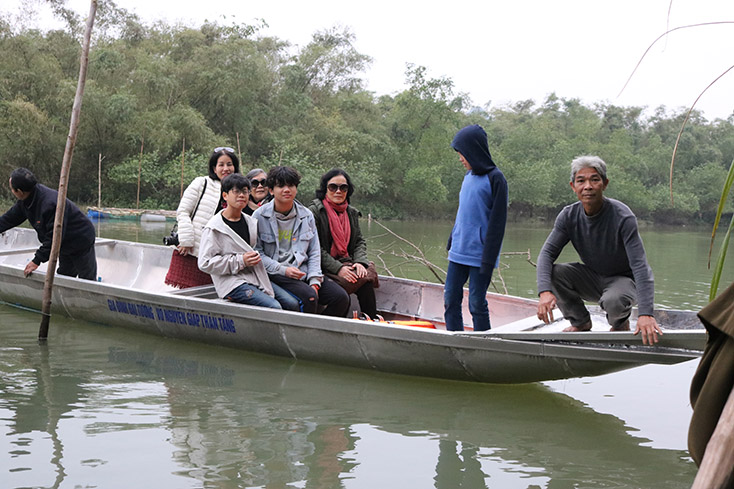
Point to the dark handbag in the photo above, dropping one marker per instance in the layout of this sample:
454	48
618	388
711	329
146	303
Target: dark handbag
172	239
350	287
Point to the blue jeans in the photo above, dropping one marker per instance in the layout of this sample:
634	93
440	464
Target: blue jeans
453	293
249	294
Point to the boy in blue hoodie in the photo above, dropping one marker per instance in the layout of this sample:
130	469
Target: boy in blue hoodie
476	239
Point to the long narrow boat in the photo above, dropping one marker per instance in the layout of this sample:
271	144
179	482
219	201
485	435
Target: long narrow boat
131	293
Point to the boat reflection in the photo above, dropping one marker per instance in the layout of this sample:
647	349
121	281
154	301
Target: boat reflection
236	419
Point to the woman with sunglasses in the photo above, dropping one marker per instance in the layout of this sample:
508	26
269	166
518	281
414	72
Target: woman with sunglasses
259	194
343	249
201	200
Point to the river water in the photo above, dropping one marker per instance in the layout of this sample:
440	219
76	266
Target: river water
109	408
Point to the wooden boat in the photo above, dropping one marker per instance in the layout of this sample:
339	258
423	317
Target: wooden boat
96	213
131	293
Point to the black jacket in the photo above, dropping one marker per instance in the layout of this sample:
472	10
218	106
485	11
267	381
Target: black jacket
40	210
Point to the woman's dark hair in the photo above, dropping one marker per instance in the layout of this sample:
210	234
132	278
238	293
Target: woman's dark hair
281	176
215	156
23	179
235	180
321	192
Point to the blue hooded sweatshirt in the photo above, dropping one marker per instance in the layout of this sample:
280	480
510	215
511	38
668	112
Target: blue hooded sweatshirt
476	239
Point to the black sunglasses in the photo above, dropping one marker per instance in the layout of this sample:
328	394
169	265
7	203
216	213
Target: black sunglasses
223	148
332	187
256	183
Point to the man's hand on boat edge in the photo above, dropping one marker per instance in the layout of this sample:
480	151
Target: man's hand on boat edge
648	326
29	268
546	304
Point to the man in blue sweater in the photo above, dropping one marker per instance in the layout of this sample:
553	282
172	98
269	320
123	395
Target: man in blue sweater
476	239
614	272
37	204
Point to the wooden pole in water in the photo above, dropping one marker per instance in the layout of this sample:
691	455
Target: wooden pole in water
717	466
140	169
64	178
183	154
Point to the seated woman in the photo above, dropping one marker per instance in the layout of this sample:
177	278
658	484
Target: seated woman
289	246
343	249
201	200
259	194
226	253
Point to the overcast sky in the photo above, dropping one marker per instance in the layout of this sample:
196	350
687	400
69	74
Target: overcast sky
504	51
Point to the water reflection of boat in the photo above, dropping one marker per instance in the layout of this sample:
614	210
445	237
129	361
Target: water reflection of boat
259	421
132	293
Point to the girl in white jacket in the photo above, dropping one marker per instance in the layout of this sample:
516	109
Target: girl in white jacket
201	200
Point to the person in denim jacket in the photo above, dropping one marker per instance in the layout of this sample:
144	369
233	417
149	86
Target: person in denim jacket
289	245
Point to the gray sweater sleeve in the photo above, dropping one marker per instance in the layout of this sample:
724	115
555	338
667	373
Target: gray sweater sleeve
554	244
641	271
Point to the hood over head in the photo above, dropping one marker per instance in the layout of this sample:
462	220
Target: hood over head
471	142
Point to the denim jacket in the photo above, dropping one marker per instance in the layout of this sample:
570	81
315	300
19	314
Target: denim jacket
306	246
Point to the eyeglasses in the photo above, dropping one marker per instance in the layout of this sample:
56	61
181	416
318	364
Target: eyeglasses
223	148
256	183
238	191
332	187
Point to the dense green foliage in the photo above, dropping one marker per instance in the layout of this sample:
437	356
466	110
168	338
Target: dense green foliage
166	87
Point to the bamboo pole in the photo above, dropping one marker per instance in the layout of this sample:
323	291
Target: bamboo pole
140	169
239	152
99	182
183	153
64	177
716	471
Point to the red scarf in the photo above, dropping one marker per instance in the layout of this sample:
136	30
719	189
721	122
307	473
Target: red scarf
341	231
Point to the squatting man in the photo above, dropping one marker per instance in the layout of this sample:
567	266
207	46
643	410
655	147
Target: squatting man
614	271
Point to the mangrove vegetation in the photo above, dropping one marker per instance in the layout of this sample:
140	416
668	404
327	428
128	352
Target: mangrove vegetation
159	96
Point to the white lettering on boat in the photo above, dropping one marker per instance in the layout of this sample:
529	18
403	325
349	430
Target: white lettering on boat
172	316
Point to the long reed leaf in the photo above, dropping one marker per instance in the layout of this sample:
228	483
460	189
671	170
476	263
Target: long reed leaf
718	269
720	209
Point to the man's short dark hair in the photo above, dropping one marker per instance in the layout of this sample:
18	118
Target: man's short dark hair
235	180
280	176
23	179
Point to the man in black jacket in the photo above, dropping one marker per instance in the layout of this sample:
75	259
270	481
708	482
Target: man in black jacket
37	204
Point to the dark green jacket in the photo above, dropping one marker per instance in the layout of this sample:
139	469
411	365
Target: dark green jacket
357	247
714	378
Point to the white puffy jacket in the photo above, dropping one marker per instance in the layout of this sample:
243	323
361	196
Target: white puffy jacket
189	232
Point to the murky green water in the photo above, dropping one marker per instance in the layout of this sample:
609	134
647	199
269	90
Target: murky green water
109	408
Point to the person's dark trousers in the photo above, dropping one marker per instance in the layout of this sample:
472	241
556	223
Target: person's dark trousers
330	295
367	300
453	295
574	283
81	264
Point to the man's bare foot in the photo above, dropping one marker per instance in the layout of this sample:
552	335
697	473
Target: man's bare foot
625	326
574	329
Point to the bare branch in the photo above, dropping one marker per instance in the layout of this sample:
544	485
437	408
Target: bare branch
504	286
523	253
421	258
384	265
